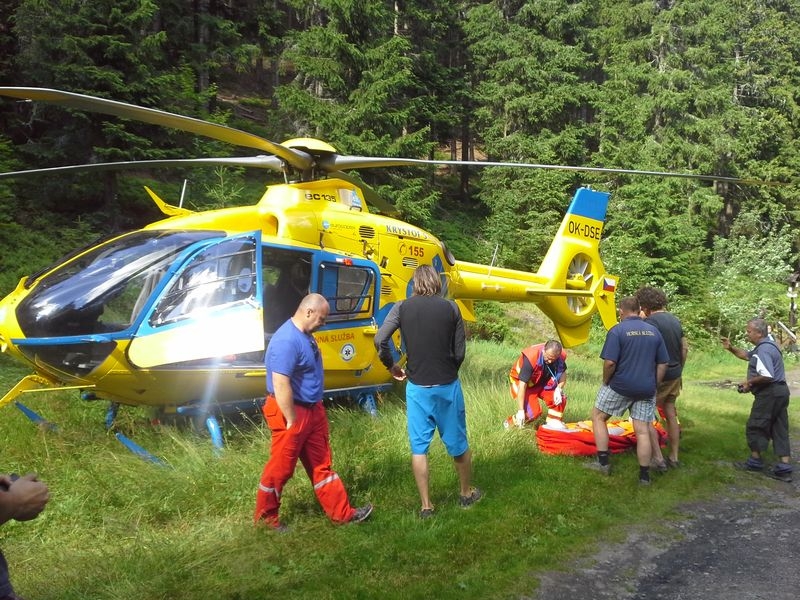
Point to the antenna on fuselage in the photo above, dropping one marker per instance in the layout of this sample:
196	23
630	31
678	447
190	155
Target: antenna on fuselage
491	264
183	193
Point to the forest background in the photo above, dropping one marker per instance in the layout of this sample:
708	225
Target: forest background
695	86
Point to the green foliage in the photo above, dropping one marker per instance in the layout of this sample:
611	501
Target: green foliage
460	231
528	88
227	189
110	50
491	323
752	268
648	230
24	251
525	214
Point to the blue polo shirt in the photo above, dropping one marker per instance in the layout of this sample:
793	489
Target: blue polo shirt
294	353
637	347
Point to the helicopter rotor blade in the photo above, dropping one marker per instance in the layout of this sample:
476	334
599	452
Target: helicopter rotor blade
296	158
261	162
365	162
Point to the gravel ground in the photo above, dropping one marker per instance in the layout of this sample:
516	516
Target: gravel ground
741	546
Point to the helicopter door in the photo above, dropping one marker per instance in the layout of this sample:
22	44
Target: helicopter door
286	276
210	309
350	285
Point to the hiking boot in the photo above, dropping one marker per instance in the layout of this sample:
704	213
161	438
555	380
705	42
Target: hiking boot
426	513
475	494
784	474
596	466
750	465
361	514
660	467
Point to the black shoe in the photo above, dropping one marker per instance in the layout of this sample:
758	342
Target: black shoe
361	514
659	467
748	466
426	513
474	496
596	466
780	474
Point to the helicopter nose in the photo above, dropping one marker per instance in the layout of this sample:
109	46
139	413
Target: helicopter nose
9	328
3	336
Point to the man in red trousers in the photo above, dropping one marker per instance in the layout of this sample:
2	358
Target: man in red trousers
298	421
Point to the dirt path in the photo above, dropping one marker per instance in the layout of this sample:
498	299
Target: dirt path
742	546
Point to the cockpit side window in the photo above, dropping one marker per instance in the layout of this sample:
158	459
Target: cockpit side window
221	275
349	289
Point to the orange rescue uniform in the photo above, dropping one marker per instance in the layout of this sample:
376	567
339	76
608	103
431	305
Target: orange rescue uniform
542	381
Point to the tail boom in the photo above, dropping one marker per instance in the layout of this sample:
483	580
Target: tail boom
571	283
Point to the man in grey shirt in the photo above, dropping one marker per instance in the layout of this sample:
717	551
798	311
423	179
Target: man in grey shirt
769	416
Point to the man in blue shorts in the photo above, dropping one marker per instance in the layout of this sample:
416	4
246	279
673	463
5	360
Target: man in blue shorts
433	333
635	359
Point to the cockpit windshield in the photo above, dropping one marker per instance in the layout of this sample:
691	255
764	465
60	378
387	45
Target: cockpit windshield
103	290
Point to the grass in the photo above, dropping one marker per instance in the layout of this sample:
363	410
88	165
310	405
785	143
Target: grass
118	527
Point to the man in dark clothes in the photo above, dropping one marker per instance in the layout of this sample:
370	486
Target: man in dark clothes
653	303
769	416
634	361
435	340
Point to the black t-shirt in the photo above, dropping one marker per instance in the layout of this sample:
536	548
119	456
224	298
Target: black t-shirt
434	338
672	331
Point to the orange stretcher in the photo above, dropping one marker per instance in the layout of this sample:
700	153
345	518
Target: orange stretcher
577	439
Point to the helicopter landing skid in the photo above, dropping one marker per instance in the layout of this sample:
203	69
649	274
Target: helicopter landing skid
138	450
208	415
211	423
111	416
366	400
35	417
364	397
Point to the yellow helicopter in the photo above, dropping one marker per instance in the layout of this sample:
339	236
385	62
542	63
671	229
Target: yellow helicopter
176	316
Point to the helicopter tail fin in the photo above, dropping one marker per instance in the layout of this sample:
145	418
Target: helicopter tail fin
574	272
604	300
